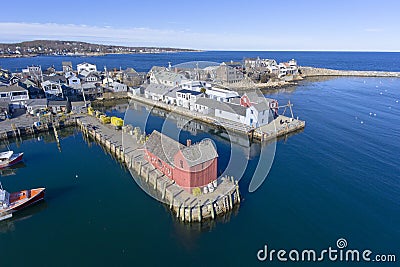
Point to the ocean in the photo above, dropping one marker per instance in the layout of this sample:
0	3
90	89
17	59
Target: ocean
337	179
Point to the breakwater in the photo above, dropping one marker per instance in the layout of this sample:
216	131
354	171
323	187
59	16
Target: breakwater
312	72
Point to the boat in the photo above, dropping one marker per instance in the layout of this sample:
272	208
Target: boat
12	202
9	158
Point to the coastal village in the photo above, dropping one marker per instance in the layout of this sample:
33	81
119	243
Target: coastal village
185	175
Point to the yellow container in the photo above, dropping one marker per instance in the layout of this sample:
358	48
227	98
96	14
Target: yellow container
104	119
90	111
117	121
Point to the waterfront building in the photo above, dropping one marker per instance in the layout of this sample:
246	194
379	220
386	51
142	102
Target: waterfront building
157	92
187	98
34	105
190	166
78	106
16	94
249	110
117	87
57	106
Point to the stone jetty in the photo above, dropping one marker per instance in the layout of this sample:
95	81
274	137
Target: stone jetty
312	72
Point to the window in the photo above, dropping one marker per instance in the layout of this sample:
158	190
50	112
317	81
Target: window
252	112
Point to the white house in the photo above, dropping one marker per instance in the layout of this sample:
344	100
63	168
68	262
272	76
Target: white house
72	79
118	87
157	92
242	110
194	85
14	93
187	98
220	94
86	66
52	88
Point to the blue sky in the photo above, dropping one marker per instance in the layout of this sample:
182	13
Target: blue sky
210	25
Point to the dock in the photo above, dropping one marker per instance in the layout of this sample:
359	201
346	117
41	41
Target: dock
127	146
24	125
270	131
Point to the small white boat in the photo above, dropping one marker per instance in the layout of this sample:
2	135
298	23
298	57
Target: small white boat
9	158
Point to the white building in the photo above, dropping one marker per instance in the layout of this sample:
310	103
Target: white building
157	92
86	66
52	88
167	78
14	93
220	94
242	110
187	98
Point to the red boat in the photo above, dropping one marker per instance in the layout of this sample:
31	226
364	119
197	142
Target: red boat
10	203
9	158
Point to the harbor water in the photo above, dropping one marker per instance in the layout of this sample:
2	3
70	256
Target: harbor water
339	178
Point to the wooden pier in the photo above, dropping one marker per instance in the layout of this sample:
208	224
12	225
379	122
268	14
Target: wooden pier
127	146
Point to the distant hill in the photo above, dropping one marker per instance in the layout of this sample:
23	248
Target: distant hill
50	47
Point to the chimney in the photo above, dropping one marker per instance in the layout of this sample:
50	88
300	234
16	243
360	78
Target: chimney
188	142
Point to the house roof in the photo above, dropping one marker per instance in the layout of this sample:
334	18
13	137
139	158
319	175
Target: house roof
200	152
169	76
166	148
12	88
78	104
36	102
224	106
157	69
163	147
186	91
158	89
52	103
55	78
86	64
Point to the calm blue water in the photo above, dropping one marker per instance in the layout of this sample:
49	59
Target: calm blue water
339	178
380	61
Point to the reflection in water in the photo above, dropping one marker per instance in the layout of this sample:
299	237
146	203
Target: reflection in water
9	225
12	169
